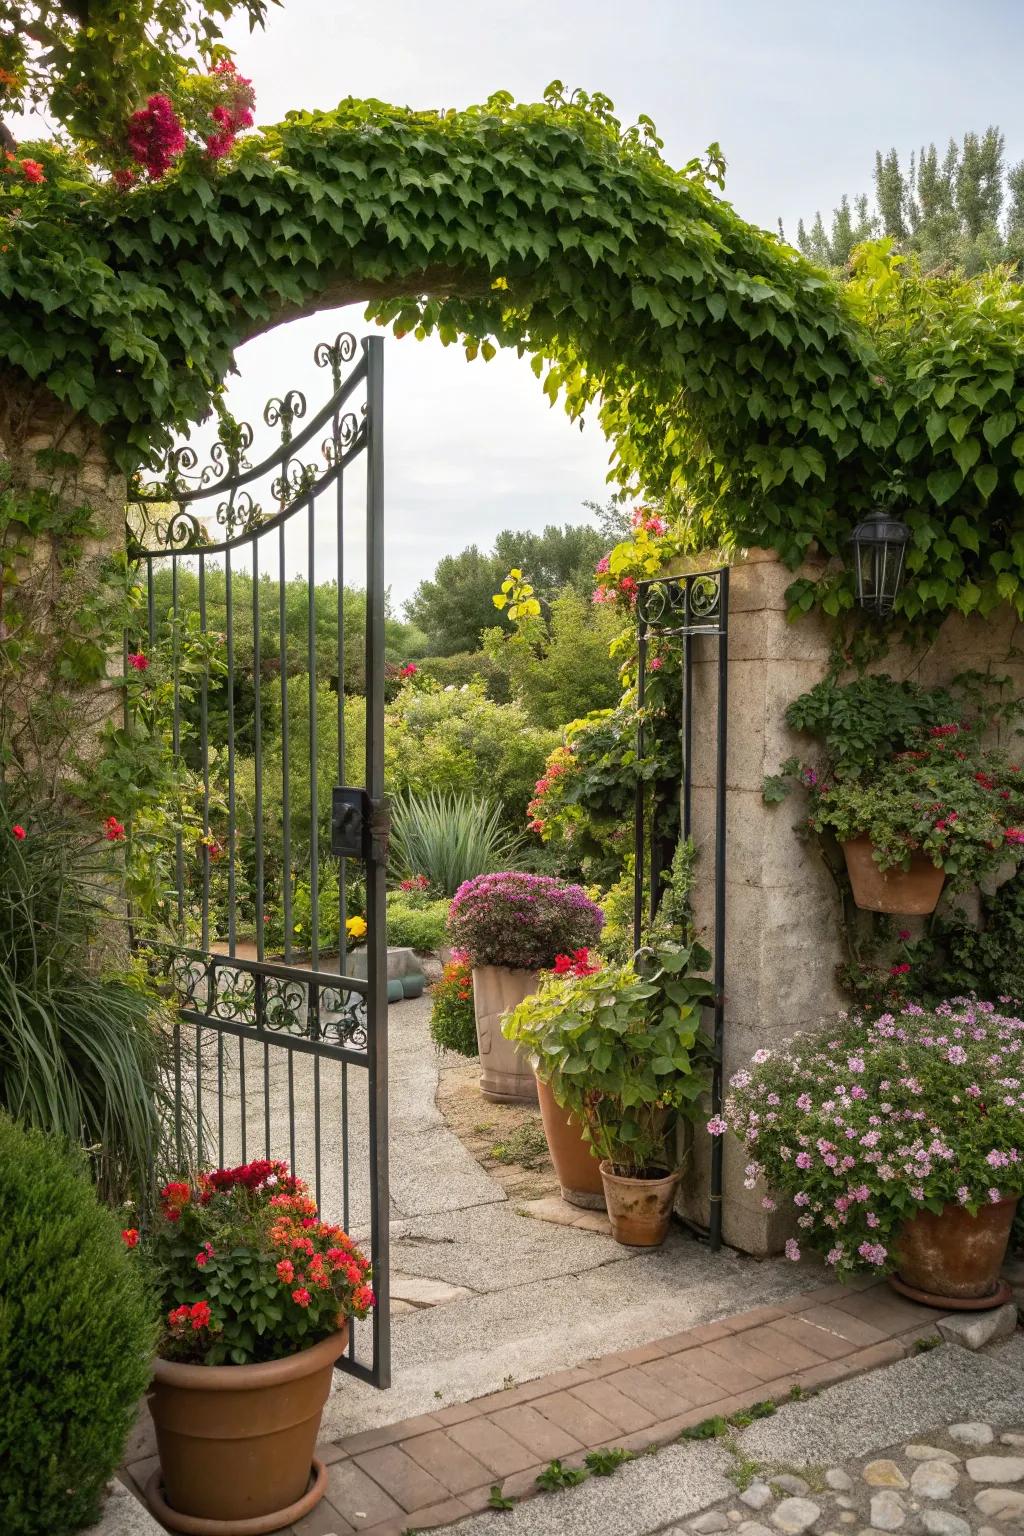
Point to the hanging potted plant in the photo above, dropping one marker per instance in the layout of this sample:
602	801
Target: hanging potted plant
911	793
900	1144
512	925
621	1049
944	809
256	1293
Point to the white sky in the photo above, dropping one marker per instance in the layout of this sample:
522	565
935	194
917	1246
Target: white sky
799	93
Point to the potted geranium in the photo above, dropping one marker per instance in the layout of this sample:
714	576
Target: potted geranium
900	1143
622	1050
255	1293
511	925
943	809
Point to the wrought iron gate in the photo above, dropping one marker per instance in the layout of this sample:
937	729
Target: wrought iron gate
689	610
281	1047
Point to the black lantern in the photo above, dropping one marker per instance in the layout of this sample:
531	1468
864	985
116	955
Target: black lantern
879	547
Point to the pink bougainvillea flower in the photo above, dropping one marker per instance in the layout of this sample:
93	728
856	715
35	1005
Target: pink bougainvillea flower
113	830
155	136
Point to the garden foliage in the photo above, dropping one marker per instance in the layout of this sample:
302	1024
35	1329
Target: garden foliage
451	838
452	1019
622	1049
522	921
866	1124
245	1269
77	1330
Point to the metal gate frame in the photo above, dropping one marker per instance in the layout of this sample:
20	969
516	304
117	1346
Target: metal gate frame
280	1006
691	609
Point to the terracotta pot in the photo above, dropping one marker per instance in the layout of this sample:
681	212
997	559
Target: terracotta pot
639	1209
953	1254
236	1441
909	892
578	1170
506	1075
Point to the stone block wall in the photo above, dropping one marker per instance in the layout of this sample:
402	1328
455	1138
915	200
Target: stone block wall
783	915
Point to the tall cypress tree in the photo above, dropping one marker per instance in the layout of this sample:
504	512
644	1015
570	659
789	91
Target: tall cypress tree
949	210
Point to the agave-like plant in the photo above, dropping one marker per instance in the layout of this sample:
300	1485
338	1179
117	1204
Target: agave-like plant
83	1046
450	838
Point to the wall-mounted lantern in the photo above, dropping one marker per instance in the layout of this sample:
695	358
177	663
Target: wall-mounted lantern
879	550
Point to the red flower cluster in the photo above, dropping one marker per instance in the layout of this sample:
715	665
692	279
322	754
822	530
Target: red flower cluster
263	1172
130	1237
18	832
259	1221
139	661
30	169
578	963
409	670
155	136
198	1314
113	830
415	883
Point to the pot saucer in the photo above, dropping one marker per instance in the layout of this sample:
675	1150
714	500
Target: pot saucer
995	1298
257	1525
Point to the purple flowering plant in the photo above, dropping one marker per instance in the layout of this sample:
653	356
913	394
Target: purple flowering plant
869	1123
522	921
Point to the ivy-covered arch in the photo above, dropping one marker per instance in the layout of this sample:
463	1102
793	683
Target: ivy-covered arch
727	372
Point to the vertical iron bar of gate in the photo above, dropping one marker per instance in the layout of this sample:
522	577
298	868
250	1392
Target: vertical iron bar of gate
376	967
721	742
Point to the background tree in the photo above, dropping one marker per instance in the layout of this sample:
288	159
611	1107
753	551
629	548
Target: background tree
965	209
454	606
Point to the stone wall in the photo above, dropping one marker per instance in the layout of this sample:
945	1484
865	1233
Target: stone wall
783	915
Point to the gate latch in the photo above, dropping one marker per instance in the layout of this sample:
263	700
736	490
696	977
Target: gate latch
359	825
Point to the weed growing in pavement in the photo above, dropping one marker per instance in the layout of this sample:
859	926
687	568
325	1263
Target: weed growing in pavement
604	1463
555	1476
497	1499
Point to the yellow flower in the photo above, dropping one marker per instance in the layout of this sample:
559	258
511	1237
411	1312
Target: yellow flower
356	927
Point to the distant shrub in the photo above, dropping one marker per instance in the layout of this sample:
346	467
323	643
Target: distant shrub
468	667
451	838
464	742
77	1332
415	923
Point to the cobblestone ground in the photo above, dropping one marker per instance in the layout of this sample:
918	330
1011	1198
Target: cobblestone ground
966	1480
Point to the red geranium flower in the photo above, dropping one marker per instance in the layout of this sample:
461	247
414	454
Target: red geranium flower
130	1237
301	1297
113	830
32	171
18	831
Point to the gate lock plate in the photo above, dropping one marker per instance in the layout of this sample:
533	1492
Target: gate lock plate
359	825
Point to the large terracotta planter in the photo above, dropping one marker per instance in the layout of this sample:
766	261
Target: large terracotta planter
236	1442
907	892
578	1170
639	1209
953	1259
506	1075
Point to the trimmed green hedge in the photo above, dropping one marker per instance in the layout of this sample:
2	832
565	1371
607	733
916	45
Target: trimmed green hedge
77	1332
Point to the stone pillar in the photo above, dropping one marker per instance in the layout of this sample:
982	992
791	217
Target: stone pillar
784	936
782	907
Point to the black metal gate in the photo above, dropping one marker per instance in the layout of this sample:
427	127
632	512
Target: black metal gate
689	610
279	959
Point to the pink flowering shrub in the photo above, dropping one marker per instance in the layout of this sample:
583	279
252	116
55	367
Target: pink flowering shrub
866	1125
523	921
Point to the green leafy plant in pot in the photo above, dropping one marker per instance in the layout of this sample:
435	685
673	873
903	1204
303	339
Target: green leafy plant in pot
622	1049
